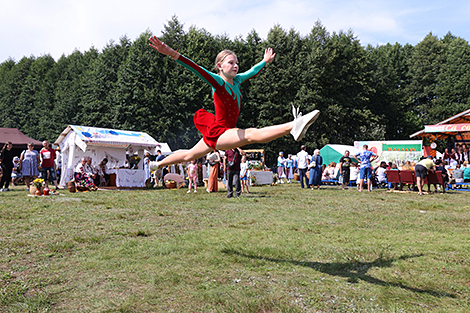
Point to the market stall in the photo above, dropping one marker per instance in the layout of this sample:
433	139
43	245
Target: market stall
124	177
456	127
98	143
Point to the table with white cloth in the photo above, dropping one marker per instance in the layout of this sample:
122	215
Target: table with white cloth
128	178
262	177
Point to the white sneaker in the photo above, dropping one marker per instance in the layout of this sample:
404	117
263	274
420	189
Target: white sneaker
188	191
195	190
302	123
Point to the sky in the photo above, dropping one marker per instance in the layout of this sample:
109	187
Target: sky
58	27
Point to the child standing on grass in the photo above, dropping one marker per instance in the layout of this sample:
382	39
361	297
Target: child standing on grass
192	175
219	131
244	174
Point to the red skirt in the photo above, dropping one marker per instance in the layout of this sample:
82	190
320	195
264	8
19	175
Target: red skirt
210	129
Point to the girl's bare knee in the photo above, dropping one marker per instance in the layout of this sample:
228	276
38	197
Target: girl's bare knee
188	157
250	135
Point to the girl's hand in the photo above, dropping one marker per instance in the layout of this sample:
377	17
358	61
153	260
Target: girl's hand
163	48
269	55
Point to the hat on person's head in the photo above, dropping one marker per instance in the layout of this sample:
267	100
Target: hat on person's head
281	153
16	159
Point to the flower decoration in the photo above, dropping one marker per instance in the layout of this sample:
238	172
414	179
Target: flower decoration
134	159
38	183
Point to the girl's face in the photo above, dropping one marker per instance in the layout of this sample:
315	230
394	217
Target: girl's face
228	67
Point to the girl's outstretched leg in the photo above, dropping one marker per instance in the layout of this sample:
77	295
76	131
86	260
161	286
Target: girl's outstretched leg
235	137
196	152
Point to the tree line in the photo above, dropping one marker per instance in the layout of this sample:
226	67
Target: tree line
363	93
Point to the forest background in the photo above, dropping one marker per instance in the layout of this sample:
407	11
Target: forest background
385	92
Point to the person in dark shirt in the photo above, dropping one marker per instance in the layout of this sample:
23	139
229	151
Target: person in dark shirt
345	166
232	162
6	162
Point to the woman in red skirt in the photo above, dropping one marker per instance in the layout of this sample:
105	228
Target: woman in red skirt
219	131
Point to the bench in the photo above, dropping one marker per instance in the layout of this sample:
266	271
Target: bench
408	177
453	185
330	181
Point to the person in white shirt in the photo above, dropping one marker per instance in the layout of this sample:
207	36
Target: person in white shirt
302	163
281	167
353	175
244	174
380	172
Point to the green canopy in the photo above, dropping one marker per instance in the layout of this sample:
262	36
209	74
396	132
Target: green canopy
332	153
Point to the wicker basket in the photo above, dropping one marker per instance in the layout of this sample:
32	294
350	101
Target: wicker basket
170	184
32	190
71	186
296	177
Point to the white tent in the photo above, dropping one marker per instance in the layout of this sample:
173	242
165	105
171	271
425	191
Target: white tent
98	143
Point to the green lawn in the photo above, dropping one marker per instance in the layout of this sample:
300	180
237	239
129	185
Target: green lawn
279	249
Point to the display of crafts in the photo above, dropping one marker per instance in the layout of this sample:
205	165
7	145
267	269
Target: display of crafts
135	159
170	184
257	167
38	183
38	189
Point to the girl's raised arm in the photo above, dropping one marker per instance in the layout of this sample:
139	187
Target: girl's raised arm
269	55
163	48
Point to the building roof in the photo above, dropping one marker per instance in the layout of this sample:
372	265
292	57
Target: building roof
461	118
18	139
94	136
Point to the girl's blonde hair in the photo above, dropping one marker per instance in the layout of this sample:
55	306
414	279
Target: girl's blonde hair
221	57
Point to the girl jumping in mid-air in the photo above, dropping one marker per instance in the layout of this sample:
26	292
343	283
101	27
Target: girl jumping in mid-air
219	131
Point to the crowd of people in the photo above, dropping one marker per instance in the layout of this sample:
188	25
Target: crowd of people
46	164
30	165
454	165
454	168
311	171
233	166
89	177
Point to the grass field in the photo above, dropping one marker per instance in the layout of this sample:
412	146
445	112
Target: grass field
279	249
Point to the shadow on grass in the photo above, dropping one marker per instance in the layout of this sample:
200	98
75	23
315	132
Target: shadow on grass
353	271
257	194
